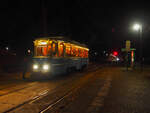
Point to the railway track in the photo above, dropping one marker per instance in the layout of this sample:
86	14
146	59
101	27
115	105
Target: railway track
32	100
16	89
60	99
46	93
66	95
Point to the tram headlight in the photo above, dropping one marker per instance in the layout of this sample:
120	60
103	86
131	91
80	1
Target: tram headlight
35	66
45	67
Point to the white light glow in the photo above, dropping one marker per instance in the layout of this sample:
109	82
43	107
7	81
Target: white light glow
7	48
136	27
45	67
43	43
29	51
35	66
117	59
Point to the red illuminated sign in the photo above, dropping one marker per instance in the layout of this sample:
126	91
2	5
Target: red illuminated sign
115	53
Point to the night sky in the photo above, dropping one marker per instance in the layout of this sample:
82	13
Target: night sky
100	25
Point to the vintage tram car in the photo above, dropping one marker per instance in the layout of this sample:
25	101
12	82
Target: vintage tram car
57	55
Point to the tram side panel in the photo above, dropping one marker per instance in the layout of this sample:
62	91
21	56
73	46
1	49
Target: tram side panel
58	66
77	63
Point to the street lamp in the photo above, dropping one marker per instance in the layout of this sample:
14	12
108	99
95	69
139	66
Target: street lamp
138	27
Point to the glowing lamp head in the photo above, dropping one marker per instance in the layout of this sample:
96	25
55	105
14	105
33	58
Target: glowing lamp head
136	27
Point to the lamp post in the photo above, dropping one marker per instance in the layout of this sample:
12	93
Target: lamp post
138	27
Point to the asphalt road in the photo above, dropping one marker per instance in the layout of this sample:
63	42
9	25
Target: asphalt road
98	89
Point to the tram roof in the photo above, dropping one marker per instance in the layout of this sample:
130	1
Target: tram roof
61	38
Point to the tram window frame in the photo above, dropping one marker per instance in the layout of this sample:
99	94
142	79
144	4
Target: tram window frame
68	50
53	49
49	48
55	54
61	50
41	51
